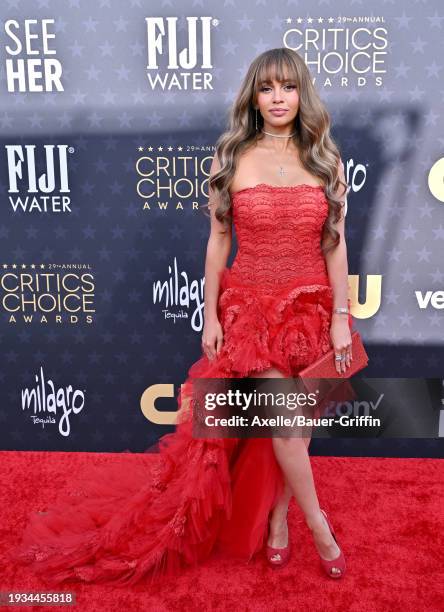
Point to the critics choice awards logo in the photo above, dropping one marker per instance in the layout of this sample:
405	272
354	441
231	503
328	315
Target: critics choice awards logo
342	50
45	293
173	177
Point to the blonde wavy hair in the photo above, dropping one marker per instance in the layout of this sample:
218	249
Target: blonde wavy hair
318	152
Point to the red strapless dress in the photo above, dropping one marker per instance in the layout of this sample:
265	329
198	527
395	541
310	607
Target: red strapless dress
198	496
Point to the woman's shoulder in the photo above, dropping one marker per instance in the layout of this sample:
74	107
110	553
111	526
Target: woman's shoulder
247	164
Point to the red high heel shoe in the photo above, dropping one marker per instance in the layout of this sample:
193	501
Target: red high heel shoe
278	557
335	568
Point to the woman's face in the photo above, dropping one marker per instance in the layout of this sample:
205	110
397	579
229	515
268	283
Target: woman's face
275	95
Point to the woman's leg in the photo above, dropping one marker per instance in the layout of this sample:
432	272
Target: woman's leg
293	458
278	520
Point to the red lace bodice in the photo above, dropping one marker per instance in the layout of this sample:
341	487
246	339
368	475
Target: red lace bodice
278	231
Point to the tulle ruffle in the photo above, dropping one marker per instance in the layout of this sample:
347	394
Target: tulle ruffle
287	326
196	495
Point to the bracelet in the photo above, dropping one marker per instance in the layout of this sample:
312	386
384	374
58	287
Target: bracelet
341	310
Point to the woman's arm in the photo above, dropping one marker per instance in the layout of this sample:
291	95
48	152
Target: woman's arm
336	259
218	251
337	267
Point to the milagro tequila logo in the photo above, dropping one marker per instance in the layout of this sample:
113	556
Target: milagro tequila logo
179	291
186	68
47	192
35	71
48	403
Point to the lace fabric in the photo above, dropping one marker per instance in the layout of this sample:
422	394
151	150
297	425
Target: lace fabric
278	232
201	495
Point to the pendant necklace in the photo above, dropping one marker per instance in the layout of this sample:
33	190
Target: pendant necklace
281	170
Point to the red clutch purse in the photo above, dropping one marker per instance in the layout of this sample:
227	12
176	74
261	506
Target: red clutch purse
325	367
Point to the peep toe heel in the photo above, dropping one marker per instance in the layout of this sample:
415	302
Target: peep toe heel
278	557
335	568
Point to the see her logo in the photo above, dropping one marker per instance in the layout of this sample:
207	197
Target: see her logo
35	72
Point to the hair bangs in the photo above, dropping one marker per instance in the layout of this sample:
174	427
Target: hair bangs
276	67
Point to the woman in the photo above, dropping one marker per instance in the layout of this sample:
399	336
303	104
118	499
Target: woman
277	175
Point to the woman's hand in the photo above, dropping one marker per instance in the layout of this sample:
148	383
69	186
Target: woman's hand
341	340
212	337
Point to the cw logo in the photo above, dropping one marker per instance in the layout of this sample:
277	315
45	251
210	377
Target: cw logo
148	404
372	300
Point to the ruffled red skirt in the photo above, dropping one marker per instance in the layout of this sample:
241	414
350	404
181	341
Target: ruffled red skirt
196	495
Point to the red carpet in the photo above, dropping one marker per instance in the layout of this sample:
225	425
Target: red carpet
388	515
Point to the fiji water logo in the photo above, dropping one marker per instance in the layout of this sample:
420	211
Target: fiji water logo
188	65
180	295
48	403
39	179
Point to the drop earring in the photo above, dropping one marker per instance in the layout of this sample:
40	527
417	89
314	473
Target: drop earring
256	119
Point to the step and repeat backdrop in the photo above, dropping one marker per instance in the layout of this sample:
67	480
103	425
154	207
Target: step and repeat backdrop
109	115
